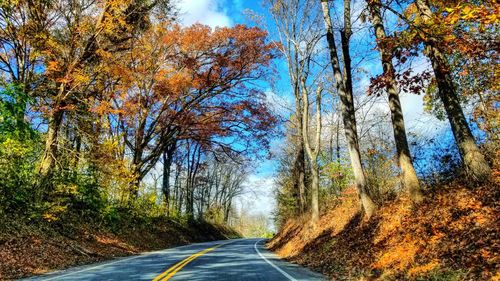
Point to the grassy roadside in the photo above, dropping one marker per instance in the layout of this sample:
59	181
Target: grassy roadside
30	249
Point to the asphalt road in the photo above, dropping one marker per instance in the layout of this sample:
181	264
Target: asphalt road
232	260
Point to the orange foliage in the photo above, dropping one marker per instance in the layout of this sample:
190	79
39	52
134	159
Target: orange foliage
191	82
455	228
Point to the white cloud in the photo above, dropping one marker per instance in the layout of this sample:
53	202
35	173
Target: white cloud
281	105
416	118
207	12
259	192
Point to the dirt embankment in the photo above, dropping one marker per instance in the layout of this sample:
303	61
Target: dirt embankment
453	235
27	250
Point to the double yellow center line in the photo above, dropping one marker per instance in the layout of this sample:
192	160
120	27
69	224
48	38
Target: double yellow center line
178	266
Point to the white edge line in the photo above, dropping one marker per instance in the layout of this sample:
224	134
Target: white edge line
119	260
273	265
90	268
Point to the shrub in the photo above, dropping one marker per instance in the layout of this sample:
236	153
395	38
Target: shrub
17	174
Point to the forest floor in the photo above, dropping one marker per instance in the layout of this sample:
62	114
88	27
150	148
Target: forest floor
453	235
27	250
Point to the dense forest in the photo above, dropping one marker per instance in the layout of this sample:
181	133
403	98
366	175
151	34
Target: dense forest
115	116
98	94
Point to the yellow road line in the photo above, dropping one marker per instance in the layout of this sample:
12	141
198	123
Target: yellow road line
157	278
178	266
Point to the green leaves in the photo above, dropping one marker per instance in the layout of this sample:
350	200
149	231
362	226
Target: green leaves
13	103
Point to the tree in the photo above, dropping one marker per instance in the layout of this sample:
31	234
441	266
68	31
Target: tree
168	156
343	82
410	179
445	33
312	153
297	27
473	159
18	56
76	45
193	83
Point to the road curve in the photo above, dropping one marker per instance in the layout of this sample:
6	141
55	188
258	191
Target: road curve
231	260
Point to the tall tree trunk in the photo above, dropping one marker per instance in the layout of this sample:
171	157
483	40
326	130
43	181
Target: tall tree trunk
337	140
190	203
300	165
312	153
168	155
332	157
137	160
178	189
193	165
473	160
200	204
348	117
409	176
315	193
300	174
50	153
227	210
138	174
165	184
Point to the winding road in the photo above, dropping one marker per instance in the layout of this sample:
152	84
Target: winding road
231	260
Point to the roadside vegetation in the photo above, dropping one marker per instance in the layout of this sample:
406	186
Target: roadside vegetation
121	130
360	194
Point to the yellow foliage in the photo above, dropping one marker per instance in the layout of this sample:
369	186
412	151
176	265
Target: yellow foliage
54	213
52	66
49	217
14	148
400	256
422	269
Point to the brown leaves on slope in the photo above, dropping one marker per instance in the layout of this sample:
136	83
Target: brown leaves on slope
454	229
29	250
458	228
37	253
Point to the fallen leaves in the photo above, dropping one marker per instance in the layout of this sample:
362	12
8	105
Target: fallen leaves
455	232
28	250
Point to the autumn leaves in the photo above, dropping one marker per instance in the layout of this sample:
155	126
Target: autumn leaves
452	36
119	84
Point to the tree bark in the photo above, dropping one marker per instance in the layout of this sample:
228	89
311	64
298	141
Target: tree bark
227	210
473	160
192	170
348	116
300	164
300	174
409	176
137	172
312	153
50	153
168	155
178	189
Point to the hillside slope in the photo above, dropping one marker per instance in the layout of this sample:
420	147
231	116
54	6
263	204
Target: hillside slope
27	250
453	235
